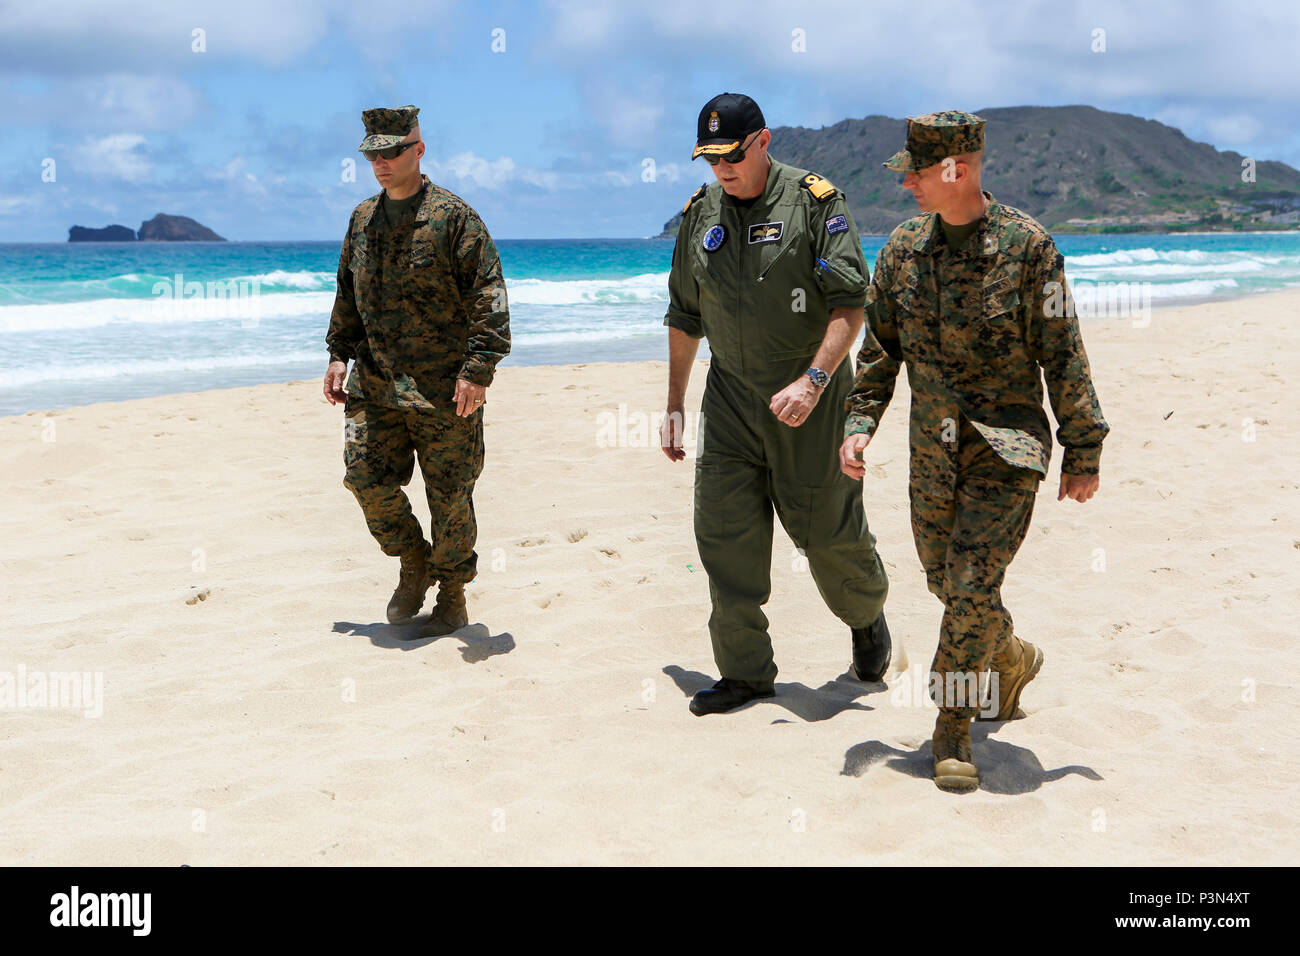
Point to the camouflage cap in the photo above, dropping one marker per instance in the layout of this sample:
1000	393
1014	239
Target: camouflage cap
387	127
934	137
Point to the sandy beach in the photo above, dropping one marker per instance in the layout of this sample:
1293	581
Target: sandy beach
198	559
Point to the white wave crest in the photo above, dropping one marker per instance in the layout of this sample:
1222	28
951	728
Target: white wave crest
95	312
107	368
650	287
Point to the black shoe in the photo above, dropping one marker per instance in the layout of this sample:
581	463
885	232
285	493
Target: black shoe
872	650
725	695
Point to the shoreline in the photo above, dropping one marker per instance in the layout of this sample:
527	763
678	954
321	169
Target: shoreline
1089	326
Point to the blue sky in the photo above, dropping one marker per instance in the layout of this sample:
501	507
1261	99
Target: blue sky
549	137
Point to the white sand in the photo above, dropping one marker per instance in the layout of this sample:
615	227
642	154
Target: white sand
276	721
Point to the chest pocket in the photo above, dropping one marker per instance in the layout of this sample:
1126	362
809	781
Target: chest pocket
1000	295
779	253
912	294
363	254
429	274
1000	330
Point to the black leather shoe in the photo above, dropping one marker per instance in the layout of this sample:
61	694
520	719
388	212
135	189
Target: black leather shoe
872	650
725	695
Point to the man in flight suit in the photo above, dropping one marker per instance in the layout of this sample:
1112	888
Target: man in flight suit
767	265
972	296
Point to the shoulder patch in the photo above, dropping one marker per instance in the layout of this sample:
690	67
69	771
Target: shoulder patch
697	194
820	188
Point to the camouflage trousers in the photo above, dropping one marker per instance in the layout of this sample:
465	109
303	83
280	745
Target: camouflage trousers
966	536
380	448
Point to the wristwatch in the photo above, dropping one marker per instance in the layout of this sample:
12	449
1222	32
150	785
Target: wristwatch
819	378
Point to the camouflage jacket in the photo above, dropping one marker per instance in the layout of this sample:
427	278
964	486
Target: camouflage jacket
975	327
419	304
759	281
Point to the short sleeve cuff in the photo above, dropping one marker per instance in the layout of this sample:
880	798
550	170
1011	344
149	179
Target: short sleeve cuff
847	301
690	324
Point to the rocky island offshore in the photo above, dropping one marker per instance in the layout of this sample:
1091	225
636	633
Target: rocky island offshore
161	228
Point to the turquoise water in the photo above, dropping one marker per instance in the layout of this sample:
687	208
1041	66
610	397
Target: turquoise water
92	322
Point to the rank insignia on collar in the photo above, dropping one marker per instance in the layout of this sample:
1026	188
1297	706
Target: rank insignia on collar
714	122
766	232
714	238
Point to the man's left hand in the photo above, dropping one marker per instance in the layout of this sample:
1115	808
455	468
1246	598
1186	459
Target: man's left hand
794	403
469	397
1078	487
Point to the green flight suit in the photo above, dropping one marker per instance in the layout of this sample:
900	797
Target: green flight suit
762	296
979	327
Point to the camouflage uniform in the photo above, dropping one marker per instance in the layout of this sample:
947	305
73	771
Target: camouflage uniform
421	302
975	326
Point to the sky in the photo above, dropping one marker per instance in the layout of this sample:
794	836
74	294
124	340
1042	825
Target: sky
558	119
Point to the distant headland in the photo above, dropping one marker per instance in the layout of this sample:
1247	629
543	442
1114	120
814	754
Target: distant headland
161	228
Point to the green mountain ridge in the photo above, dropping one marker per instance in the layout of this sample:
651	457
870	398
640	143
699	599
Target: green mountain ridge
1073	168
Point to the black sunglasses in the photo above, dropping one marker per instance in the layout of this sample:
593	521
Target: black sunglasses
737	155
392	152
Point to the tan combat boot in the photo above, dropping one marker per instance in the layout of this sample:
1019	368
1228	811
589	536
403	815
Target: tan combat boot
1016	664
449	612
954	767
412	585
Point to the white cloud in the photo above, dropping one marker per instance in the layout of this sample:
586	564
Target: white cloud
12	205
116	156
488	174
1231	131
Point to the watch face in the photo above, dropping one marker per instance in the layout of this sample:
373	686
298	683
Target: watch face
819	378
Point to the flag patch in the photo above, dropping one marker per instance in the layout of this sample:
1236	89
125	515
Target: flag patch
837	224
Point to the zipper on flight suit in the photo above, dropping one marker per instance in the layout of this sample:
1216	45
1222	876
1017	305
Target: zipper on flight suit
775	260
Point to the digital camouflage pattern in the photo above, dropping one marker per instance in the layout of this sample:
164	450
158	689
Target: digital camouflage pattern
420	302
379	456
788	249
975	327
387	127
966	538
934	137
978	334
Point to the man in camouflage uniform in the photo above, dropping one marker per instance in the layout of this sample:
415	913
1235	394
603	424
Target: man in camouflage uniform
768	266
972	296
421	311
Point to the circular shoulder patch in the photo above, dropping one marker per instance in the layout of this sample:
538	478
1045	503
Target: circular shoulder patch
714	238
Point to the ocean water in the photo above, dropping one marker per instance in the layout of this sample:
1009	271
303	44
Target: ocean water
91	322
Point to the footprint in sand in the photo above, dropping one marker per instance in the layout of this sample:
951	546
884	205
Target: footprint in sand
577	535
530	542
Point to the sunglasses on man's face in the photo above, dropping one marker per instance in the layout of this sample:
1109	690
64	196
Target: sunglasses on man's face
392	152
737	155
